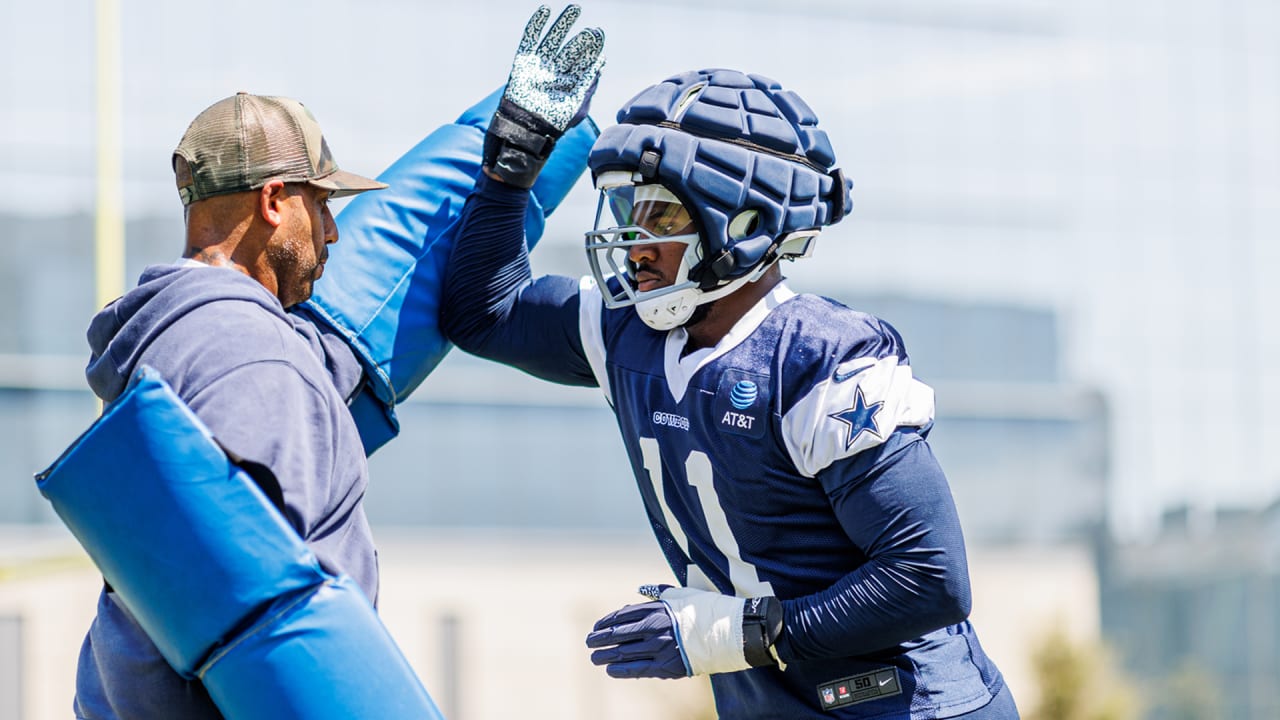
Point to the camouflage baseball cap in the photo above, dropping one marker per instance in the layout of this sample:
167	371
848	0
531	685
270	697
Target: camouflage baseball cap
242	142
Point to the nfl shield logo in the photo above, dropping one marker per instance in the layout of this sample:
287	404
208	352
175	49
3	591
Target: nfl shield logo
828	695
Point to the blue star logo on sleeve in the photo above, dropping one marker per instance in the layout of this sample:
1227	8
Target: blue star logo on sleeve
860	418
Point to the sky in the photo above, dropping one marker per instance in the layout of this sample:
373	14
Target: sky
1117	163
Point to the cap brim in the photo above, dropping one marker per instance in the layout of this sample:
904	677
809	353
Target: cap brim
342	183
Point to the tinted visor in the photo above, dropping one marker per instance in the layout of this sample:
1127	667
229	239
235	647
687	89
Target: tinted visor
651	207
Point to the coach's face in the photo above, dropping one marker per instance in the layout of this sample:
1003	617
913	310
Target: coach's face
298	249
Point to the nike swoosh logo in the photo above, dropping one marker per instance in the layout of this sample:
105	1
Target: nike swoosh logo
840	377
885	681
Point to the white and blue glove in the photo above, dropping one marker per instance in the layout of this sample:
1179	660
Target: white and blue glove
548	92
687	632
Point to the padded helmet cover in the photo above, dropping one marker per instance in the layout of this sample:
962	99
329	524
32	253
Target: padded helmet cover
727	142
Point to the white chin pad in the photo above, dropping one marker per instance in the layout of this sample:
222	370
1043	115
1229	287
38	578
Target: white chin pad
670	311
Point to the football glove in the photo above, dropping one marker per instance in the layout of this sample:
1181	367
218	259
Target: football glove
687	632
548	92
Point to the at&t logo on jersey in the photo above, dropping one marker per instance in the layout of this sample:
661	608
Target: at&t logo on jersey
743	395
741	403
738	420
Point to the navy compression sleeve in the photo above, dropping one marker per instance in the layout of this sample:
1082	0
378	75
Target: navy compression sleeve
492	307
901	515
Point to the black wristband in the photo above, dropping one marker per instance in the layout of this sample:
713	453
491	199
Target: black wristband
518	144
761	626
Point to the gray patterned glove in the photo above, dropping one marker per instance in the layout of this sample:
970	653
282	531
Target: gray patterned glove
548	92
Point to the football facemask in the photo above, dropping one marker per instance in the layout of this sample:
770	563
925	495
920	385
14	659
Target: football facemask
647	214
629	216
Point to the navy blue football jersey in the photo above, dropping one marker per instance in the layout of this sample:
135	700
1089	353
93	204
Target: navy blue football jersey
789	460
742	453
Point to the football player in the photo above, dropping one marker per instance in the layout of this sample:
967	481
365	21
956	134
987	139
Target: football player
778	438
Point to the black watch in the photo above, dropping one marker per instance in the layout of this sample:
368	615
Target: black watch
761	626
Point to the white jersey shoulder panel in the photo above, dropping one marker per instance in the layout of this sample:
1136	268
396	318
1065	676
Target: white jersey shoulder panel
854	409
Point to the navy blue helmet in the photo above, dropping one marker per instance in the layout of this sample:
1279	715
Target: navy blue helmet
748	163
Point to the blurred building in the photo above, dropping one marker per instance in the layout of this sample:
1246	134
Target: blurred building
1193	611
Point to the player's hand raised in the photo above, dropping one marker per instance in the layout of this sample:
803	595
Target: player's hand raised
548	92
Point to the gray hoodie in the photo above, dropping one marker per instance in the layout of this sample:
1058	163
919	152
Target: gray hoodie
273	388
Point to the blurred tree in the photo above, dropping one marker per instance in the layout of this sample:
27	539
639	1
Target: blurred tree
1189	697
1080	681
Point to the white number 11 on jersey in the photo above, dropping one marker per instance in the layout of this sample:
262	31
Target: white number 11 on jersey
697	468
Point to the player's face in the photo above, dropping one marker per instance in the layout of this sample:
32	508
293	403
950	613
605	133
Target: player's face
299	256
656	264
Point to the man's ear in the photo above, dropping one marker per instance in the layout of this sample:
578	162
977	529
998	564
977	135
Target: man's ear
271	202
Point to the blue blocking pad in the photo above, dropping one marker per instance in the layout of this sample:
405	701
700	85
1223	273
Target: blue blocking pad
187	540
216	577
381	287
322	656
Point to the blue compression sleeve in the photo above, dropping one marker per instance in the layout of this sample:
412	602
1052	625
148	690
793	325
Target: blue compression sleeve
492	306
901	515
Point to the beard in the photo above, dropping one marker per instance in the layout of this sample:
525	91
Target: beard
296	273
